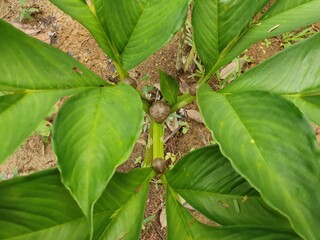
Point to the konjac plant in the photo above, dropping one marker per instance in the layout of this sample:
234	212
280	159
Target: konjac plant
260	181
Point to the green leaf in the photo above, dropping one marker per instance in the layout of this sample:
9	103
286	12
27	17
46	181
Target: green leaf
39	207
34	75
278	7
94	132
216	23
284	16
294	73
128	30
182	225
206	180
84	14
310	105
273	146
169	87
20	114
29	64
123	205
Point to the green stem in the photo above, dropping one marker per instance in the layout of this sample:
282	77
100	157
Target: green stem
149	149
169	188
182	101
239	67
164	181
158	149
122	72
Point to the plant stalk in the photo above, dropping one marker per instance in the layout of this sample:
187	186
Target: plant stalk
122	72
149	148
158	149
182	101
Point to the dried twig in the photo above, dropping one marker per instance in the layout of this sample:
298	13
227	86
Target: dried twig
171	134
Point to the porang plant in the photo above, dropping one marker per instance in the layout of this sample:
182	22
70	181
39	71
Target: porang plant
262	179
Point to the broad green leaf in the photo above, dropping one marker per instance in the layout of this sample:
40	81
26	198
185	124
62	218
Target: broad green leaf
38	74
132	29
310	105
216	23
294	73
123	205
169	87
39	207
20	114
284	17
28	64
139	28
279	7
94	132
206	180
273	146
182	225
85	14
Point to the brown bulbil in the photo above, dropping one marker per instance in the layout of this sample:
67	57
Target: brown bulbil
159	111
130	81
158	165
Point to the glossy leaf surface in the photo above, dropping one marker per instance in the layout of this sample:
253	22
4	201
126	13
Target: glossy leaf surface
279	7
34	76
169	87
285	16
294	73
216	23
20	114
273	146
39	207
207	181
128	30
33	65
122	208
182	225
94	132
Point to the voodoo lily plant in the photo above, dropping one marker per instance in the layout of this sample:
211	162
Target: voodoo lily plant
260	181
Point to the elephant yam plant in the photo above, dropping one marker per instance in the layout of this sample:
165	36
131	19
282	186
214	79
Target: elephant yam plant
260	181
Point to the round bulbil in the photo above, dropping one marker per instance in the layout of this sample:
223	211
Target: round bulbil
159	165
159	111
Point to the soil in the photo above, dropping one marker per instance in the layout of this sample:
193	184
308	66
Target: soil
54	27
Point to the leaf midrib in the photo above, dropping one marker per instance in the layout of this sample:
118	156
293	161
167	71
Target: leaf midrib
132	32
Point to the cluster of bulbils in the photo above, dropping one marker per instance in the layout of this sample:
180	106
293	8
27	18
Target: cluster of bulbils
159	112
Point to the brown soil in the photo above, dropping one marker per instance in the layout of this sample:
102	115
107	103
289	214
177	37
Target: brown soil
71	37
